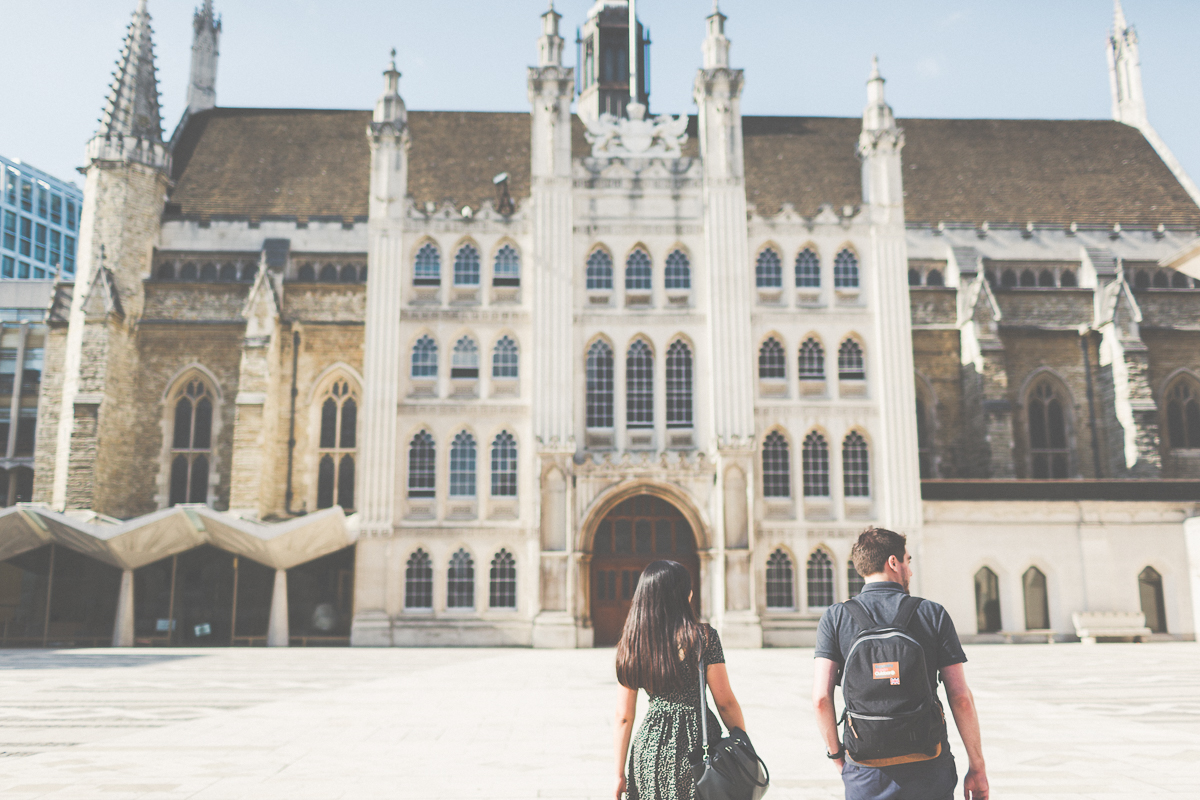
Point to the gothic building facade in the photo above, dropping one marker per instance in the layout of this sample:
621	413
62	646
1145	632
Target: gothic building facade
528	353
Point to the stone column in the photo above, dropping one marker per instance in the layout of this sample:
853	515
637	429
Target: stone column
277	627
123	624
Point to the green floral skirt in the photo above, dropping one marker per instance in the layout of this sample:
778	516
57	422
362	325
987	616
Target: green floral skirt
659	765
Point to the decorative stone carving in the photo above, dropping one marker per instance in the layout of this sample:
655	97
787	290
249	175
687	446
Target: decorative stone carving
637	137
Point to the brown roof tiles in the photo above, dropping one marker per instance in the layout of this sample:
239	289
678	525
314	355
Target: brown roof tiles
302	163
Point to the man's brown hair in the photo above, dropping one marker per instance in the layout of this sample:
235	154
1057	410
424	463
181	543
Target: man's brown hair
873	548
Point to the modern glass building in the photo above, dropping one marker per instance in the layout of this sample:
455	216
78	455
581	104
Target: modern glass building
40	224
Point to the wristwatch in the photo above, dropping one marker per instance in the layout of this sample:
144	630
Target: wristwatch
841	753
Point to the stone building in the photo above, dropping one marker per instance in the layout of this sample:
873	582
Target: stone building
528	353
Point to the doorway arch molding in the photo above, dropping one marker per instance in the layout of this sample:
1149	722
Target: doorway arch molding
616	494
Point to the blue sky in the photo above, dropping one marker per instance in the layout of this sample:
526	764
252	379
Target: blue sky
1011	59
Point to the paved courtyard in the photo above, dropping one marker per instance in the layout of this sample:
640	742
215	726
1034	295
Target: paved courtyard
1059	721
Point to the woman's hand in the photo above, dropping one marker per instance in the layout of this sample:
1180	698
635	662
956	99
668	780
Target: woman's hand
620	787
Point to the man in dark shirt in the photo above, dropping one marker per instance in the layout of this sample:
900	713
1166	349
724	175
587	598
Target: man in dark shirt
880	557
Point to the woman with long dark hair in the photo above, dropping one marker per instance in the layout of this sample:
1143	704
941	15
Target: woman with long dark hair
660	651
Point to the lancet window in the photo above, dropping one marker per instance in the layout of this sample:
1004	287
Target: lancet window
679	385
845	270
677	272
771	363
1048	448
820	580
505	359
856	466
599	271
507	269
808	270
776	466
815	463
780	581
768	270
462	465
424	358
427	268
638	274
639	386
337	447
418	581
466	266
502	581
422	466
191	444
504	465
460	581
812	361
599	401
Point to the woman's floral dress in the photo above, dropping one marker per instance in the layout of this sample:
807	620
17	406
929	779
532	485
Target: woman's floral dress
659	767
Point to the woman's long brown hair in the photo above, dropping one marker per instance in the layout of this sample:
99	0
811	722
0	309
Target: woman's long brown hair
661	639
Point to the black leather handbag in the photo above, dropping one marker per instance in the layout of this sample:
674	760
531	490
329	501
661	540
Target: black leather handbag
729	770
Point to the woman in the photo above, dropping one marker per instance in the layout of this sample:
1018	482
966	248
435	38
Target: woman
659	651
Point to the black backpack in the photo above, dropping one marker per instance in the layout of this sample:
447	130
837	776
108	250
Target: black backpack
892	712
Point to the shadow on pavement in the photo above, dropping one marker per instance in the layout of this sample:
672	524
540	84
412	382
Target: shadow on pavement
69	659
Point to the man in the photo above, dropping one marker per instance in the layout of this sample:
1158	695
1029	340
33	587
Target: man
880	557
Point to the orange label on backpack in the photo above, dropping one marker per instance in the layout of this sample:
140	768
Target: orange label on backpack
888	670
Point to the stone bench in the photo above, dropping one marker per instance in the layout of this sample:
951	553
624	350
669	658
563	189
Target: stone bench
1093	625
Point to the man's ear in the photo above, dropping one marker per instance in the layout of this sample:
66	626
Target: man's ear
894	563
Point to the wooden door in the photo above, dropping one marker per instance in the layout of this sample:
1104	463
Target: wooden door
634	534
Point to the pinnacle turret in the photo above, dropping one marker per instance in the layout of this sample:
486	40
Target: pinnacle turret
389	108
202	86
132	109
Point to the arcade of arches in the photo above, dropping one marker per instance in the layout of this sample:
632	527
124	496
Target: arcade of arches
637	532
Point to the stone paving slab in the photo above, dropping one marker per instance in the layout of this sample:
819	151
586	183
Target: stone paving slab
1060	721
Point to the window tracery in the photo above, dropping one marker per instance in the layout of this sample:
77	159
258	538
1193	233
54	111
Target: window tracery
639	386
776	466
845	270
768	270
337	447
780	581
191	444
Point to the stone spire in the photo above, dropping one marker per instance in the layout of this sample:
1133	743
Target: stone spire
550	43
716	44
132	105
202	88
877	116
390	108
1125	72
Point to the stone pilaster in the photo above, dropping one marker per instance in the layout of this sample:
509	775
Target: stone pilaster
376	490
551	88
897	473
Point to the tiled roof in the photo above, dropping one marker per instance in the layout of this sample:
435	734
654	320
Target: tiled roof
248	162
251	162
275	162
962	170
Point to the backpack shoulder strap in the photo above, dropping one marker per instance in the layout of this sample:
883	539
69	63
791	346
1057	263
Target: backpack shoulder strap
904	615
860	614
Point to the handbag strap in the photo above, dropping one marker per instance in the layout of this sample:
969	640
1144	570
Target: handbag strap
702	706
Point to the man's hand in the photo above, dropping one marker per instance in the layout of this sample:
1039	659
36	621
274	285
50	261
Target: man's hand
621	787
975	785
840	763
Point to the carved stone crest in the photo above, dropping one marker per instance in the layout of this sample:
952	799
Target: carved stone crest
637	137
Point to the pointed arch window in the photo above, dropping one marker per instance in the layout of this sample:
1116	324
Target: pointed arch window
677	272
427	268
191	444
639	386
768	270
460	581
776	465
424	358
771	363
845	270
504	465
820	580
466	266
679	385
1048	449
599	401
329	273
337	447
781	581
418	581
815	461
502	581
854	581
422	466
934	278
464	363
850	362
462	465
638	274
1150	590
856	467
808	270
812	361
507	269
599	271
1183	416
987	601
505	358
1037	603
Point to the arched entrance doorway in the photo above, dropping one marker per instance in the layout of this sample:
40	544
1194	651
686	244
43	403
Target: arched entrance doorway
640	530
